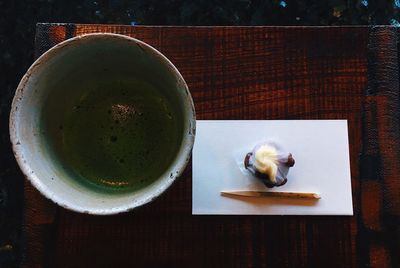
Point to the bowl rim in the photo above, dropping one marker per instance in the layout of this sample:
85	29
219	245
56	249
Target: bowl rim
179	164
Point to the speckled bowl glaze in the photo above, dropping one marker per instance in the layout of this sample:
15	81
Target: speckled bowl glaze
54	67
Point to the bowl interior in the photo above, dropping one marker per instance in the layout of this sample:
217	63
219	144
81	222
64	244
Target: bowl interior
102	123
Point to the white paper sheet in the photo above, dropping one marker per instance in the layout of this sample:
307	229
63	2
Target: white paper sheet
321	151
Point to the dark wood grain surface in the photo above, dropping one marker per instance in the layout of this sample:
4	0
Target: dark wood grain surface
251	73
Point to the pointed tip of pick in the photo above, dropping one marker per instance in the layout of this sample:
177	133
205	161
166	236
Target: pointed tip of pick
317	196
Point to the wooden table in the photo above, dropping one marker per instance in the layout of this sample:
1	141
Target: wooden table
251	73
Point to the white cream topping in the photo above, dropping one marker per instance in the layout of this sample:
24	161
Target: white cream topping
266	161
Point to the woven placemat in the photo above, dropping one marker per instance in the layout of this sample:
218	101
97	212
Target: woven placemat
251	73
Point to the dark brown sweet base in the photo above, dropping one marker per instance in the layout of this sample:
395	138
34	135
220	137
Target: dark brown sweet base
290	162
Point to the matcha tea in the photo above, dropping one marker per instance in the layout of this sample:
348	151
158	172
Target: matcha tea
120	135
